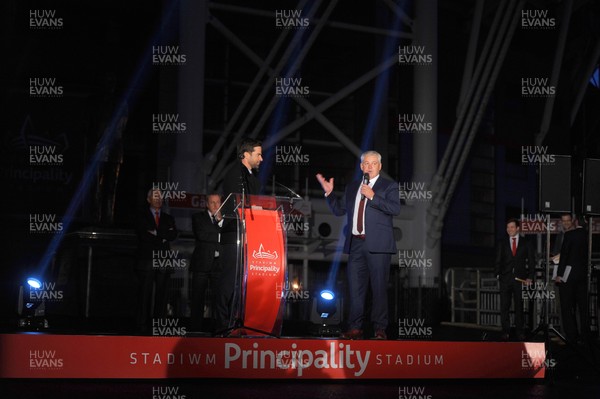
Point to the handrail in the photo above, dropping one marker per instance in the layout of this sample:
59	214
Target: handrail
461	292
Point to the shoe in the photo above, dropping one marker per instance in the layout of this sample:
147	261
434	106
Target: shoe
354	333
504	337
521	337
380	334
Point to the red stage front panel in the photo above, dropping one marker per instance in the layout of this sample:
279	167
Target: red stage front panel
65	356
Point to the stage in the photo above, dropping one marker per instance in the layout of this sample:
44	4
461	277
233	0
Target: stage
52	356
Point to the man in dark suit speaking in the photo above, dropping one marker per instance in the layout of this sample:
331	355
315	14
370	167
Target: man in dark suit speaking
369	205
514	267
206	265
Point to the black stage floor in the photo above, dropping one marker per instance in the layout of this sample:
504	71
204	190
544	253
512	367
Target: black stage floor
580	388
576	375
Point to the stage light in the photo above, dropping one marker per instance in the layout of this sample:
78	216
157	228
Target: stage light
326	304
32	313
34	282
327	295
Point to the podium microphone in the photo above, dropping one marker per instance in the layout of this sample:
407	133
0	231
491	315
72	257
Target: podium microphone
364	181
289	189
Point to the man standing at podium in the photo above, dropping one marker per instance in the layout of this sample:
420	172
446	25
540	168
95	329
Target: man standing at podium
369	205
242	176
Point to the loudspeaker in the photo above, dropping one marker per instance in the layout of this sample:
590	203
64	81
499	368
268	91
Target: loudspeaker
591	194
555	185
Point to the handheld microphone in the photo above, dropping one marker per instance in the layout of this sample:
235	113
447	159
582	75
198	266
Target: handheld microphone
364	181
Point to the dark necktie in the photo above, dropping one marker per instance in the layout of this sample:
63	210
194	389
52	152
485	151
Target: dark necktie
156	217
361	213
514	246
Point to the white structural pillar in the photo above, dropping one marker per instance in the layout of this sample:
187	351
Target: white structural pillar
425	143
185	168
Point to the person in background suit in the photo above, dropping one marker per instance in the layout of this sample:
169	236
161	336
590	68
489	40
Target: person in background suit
369	205
573	288
514	267
243	175
205	265
155	230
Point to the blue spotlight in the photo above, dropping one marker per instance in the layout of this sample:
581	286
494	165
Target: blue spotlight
595	79
327	295
108	138
382	84
34	282
326	305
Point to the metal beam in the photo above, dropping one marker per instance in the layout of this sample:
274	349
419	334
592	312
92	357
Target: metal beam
332	100
585	81
332	24
211	157
406	20
445	188
556	66
440	179
220	170
312	111
304	103
467	79
474	126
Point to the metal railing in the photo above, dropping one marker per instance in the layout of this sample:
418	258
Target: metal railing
475	298
464	289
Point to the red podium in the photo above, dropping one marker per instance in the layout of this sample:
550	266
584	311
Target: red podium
262	264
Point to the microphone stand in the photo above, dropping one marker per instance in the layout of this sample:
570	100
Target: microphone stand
240	286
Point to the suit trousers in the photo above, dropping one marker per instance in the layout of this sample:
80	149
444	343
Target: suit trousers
200	283
574	295
226	287
362	267
147	280
511	291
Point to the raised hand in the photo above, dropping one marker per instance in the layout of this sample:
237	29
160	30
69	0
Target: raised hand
326	184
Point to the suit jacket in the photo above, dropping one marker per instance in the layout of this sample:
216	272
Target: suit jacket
166	231
207	241
237	176
379	213
574	253
522	265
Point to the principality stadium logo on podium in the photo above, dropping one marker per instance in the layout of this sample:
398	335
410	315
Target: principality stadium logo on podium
262	254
